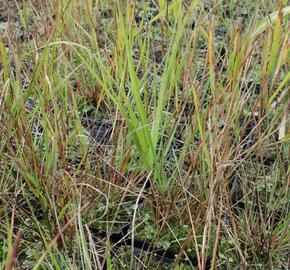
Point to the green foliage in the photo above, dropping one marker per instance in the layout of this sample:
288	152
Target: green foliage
190	95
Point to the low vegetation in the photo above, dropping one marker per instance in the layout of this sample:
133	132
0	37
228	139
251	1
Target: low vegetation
144	134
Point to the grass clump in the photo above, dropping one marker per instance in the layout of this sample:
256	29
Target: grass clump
153	122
